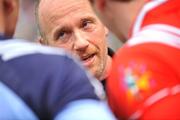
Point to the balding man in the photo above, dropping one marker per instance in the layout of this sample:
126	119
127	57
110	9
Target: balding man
72	24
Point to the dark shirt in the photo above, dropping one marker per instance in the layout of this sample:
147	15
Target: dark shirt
44	80
111	54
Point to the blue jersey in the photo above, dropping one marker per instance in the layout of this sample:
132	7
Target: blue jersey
38	82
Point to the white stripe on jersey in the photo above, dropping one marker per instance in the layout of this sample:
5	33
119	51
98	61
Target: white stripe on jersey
10	49
156	97
164	27
157	34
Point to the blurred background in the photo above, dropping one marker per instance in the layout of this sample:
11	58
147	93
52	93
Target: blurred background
27	27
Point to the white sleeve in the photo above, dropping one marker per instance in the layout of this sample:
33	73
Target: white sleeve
86	110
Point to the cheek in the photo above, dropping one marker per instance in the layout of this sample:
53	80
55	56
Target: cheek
98	38
99	41
67	47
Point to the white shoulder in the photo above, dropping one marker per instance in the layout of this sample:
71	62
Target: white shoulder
14	48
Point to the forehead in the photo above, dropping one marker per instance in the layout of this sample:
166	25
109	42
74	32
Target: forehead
63	8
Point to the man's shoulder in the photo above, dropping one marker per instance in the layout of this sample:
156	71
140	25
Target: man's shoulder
15	48
30	61
42	71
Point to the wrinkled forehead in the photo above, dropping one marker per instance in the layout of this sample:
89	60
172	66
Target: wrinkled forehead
63	7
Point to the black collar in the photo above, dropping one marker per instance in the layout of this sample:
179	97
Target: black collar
110	52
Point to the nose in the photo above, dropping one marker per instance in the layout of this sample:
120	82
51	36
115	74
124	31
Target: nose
81	41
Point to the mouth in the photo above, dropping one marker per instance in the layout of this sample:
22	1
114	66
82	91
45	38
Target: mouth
88	59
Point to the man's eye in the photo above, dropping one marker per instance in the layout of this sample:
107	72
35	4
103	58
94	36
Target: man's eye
63	36
86	24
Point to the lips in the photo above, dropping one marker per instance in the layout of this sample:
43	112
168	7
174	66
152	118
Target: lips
88	59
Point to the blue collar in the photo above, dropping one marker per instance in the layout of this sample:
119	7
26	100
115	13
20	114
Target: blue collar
2	37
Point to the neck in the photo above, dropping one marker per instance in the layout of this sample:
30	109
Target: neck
107	69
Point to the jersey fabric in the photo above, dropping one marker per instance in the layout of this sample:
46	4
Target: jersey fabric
38	82
145	79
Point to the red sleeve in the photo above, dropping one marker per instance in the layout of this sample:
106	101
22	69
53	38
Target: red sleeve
141	77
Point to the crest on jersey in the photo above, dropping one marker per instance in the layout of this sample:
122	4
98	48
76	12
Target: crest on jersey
137	81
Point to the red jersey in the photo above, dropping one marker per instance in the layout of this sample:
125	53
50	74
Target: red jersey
145	79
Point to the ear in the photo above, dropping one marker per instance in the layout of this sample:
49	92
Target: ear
100	4
41	41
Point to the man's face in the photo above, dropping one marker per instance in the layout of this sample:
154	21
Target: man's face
72	24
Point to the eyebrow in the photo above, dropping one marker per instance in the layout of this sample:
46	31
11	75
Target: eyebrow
88	18
91	1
